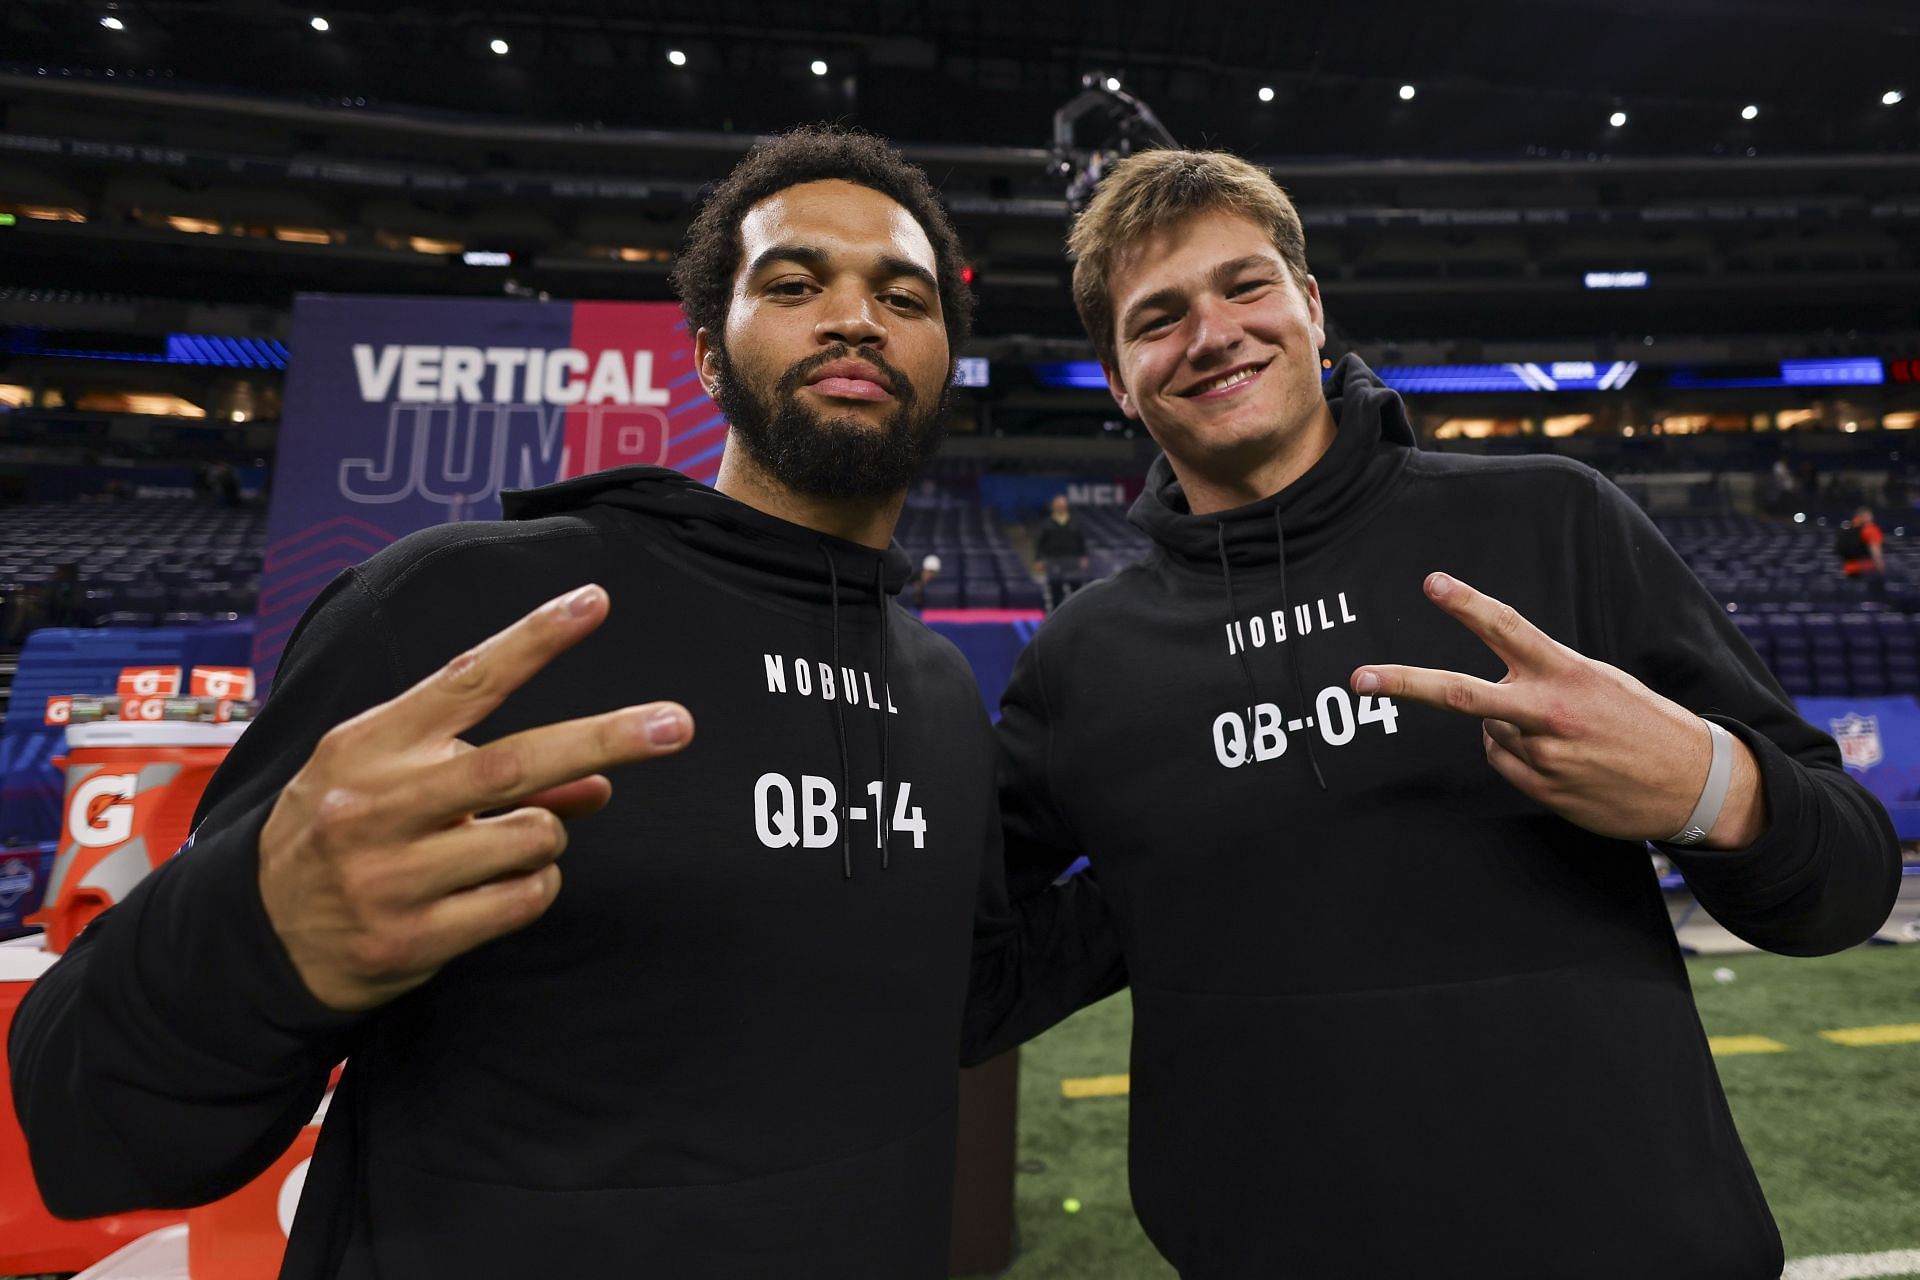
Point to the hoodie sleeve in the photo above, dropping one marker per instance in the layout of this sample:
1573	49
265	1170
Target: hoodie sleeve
1825	874
1043	946
174	1051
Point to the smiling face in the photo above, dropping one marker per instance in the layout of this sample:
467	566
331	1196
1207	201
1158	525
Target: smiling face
833	367
1217	351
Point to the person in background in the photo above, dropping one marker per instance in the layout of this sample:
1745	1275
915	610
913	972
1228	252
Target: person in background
916	591
1060	552
1781	488
1863	557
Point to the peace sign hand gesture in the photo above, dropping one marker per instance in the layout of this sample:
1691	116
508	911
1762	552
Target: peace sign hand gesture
399	846
1580	737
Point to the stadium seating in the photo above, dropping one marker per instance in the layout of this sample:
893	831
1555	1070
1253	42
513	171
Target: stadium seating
140	562
168	562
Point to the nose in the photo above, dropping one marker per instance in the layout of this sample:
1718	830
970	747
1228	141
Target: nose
1216	331
852	318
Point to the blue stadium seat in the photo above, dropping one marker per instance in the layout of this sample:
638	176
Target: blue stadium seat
983	593
1025	594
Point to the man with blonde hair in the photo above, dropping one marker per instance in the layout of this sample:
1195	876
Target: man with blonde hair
1406	998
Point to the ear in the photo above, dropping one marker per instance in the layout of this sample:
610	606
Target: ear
1119	391
704	360
1316	312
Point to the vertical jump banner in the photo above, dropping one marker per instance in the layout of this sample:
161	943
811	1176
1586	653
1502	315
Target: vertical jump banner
402	413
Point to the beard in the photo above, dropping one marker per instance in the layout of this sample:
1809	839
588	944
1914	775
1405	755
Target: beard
825	456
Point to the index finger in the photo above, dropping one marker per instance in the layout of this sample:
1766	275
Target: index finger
469	688
1501	627
1449	691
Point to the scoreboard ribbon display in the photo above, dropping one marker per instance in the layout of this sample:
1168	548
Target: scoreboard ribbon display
402	413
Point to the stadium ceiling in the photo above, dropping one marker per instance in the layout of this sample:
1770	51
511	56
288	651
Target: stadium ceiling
233	153
1490	78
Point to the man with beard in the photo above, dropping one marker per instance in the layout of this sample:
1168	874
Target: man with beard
727	1048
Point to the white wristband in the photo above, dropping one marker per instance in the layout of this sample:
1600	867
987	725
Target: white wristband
1713	796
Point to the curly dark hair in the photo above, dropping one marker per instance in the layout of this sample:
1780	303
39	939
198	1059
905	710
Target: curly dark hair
703	275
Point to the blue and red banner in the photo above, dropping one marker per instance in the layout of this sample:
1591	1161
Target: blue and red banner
402	413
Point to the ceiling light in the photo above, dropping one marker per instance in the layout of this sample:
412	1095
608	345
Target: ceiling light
1266	93
1113	84
1406	93
499	46
1617	119
318	23
112	23
1749	112
676	57
1890	98
818	68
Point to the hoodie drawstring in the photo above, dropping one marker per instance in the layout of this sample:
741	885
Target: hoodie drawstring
840	719
882	822
1240	648
1299	680
886	722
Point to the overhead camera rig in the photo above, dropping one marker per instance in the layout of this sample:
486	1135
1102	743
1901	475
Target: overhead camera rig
1127	125
1122	125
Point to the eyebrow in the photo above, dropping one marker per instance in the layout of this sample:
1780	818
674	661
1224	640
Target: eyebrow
1218	276
817	260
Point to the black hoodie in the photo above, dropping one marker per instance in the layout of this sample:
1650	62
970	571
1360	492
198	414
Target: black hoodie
1391	1017
728	1050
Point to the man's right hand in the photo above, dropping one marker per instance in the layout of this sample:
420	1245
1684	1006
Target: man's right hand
398	847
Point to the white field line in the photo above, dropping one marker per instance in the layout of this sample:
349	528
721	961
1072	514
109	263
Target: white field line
1853	1266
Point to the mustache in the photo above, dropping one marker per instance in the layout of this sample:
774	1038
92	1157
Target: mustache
802	373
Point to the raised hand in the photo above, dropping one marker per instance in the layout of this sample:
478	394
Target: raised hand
398	846
1581	737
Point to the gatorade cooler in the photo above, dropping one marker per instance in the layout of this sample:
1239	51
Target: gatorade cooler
244	1237
132	787
33	1241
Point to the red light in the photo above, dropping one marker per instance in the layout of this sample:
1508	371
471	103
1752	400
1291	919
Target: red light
966	274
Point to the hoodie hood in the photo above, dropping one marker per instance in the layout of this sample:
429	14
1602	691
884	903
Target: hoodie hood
1369	449
764	553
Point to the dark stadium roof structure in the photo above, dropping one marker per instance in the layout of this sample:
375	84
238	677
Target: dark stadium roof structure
1494	78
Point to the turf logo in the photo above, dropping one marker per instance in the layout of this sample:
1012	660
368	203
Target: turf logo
1859	739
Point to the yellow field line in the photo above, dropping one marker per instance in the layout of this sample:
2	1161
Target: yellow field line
1896	1033
1096	1087
1722	1047
1726	1046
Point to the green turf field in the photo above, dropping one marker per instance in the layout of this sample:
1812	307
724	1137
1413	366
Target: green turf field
1833	1131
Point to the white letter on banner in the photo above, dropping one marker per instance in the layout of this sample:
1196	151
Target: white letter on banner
644	392
609	380
460	461
460	374
559	390
532	442
504	361
374	377
420	375
365	480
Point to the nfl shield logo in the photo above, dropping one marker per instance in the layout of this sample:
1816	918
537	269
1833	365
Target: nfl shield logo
16	877
1859	739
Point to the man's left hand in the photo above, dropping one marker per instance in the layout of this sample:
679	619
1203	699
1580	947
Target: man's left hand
1582	738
